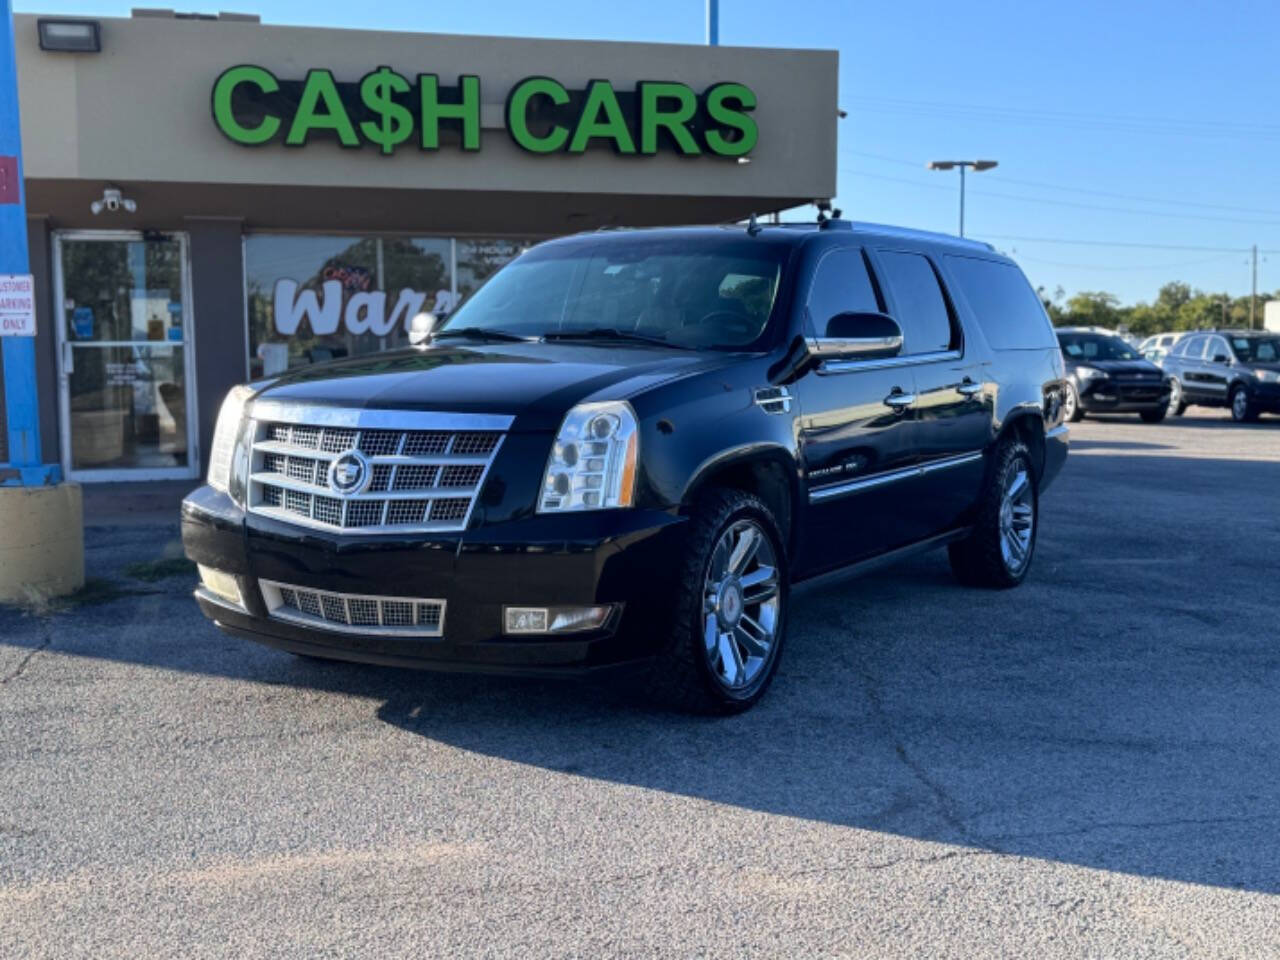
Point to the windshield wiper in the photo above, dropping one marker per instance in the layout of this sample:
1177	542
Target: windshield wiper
612	333
480	333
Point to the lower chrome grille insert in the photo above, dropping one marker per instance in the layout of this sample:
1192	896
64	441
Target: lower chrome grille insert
354	613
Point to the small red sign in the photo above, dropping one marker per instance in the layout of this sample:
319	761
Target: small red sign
9	192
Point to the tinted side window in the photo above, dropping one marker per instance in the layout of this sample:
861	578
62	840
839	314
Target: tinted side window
1217	348
1008	310
919	301
841	284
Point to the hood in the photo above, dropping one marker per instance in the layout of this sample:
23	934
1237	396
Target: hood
1119	368
1274	367
535	382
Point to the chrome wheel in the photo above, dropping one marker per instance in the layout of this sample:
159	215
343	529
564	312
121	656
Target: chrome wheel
1069	403
1175	397
1017	518
742	605
1240	404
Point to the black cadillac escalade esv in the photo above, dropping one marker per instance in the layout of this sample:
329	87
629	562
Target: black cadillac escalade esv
629	445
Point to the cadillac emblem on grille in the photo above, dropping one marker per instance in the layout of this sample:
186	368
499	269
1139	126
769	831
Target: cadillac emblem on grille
348	473
369	471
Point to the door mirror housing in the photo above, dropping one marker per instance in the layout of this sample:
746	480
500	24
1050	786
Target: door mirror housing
1221	358
858	336
421	327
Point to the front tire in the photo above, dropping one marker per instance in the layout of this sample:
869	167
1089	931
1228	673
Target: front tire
730	619
1177	402
1071	409
998	553
1242	409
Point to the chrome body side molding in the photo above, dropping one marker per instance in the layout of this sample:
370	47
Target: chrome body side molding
890	476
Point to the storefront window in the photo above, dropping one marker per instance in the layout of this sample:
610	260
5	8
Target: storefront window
318	298
478	260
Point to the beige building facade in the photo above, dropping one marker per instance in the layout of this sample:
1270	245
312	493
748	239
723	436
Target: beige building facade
216	199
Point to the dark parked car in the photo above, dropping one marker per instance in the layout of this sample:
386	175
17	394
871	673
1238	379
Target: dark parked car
1106	375
1237	369
629	445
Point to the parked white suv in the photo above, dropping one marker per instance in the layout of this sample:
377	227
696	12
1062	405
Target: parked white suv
1156	347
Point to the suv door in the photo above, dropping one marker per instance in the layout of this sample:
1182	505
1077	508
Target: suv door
853	426
952	415
1217	372
1191	372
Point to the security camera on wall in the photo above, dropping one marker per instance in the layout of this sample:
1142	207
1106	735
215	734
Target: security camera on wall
113	201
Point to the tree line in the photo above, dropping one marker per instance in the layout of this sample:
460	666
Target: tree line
1176	307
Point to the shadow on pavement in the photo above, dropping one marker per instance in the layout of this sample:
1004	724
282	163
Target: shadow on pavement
1077	445
1119	711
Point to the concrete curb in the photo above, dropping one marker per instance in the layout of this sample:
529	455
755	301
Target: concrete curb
41	542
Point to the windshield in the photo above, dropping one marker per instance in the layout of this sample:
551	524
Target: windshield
1257	349
1095	346
691	292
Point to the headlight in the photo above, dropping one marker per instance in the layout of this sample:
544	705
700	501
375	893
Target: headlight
1267	376
1088	373
593	462
224	437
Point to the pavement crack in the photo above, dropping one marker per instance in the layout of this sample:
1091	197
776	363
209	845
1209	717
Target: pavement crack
25	661
945	803
896	861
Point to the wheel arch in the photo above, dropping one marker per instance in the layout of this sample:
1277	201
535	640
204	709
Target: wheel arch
767	470
1027	426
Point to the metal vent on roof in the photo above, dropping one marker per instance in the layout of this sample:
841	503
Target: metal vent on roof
165	13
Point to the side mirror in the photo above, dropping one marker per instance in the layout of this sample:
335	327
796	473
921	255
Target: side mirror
420	328
858	336
1221	358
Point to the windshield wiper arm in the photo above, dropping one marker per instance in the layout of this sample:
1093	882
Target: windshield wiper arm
480	333
612	333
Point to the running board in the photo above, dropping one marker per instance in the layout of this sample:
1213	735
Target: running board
870	565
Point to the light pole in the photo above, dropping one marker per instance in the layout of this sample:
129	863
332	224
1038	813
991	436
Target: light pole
977	165
713	23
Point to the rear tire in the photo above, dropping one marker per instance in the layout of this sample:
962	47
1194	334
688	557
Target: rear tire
731	609
1242	409
998	553
1154	416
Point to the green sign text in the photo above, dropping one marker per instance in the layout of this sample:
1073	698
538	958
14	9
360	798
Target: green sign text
388	110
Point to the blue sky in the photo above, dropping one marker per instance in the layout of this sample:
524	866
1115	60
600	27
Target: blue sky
1146	133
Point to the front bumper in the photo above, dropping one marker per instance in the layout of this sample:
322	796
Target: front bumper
1057	442
1111	396
619	557
1265	396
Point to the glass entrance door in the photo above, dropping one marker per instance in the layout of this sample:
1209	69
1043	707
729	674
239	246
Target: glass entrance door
125	369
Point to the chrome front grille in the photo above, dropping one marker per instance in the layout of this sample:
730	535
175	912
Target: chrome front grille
354	613
419	472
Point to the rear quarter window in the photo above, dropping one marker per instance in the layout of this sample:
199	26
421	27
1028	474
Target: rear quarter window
1003	303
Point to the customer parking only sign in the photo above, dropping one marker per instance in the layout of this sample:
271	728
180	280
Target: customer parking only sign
17	305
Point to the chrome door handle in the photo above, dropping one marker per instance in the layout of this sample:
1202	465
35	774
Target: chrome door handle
899	401
968	388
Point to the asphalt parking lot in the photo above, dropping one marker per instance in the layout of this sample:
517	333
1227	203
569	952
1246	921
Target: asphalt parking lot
1084	766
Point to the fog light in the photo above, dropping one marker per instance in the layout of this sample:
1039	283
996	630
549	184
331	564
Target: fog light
222	584
525	620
